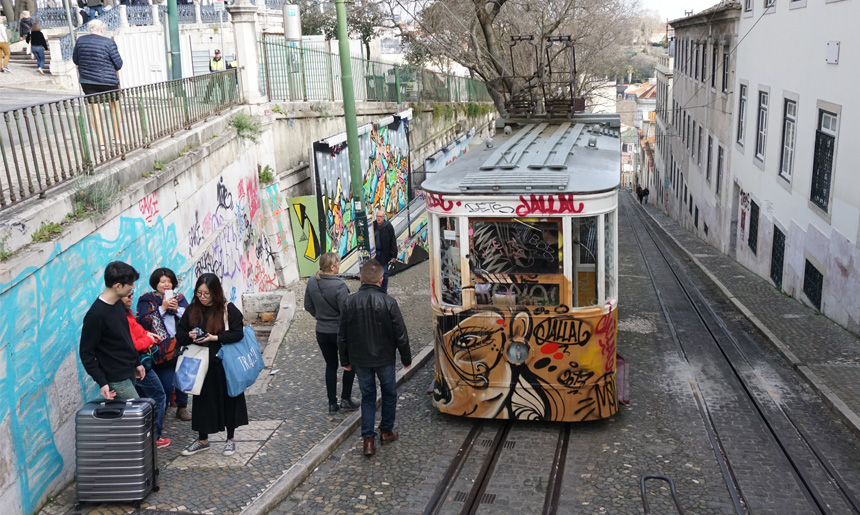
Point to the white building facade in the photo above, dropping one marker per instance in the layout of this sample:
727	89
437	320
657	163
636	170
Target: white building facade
698	130
663	118
796	190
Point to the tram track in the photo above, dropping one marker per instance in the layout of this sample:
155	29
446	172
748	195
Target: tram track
822	486
445	500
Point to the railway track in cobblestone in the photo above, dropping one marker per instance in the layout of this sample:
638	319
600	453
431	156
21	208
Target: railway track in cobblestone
475	464
742	414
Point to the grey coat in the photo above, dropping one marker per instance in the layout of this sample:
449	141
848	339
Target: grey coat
324	298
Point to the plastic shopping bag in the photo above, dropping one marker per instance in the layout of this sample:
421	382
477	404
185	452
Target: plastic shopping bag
242	362
191	369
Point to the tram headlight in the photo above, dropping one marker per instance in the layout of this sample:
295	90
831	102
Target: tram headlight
517	353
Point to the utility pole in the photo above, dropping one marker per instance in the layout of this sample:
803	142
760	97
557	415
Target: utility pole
68	20
360	221
173	27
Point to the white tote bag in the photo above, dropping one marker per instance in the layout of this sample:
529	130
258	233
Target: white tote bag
191	369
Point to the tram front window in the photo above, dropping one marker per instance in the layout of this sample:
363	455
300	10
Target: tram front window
585	243
449	247
516	261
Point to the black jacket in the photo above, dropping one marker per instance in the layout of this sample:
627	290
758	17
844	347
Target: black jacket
386	242
107	351
372	330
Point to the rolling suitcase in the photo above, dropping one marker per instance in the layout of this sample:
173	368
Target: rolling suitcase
115	451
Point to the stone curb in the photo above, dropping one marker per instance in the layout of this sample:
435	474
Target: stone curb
295	475
849	416
286	313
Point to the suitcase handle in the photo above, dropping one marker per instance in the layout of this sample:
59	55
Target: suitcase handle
108	412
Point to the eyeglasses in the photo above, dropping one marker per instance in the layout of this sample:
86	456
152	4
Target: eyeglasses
204	294
130	295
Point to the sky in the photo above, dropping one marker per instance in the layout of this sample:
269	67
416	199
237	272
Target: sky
672	9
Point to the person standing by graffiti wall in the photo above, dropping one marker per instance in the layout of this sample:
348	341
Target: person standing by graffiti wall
107	351
159	311
386	244
371	332
214	409
324	298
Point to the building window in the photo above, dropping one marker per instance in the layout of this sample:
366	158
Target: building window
691	203
699	153
689	128
714	53
748	5
761	126
777	257
752	241
725	72
720	164
693	150
696	64
822	161
813	283
709	158
789	129
769	3
704	63
742	109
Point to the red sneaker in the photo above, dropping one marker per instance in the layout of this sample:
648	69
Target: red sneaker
161	443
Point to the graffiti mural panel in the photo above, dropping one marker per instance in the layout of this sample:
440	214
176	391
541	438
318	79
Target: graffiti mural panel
304	219
527	363
384	151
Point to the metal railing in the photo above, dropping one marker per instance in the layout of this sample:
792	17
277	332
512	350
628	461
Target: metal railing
53	17
185	12
139	15
301	74
208	14
45	145
112	20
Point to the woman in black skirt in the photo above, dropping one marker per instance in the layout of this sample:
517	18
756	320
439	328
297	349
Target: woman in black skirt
214	410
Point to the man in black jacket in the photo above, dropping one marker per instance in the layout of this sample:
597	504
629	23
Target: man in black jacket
371	332
386	244
107	351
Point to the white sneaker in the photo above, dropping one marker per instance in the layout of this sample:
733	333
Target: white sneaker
41	72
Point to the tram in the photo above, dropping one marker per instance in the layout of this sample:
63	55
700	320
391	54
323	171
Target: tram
524	276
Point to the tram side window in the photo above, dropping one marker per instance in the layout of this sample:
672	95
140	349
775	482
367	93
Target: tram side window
449	246
609	255
585	264
516	261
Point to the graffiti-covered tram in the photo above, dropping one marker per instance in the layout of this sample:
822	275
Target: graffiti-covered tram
523	248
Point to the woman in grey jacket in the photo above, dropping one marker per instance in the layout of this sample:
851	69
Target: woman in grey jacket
324	298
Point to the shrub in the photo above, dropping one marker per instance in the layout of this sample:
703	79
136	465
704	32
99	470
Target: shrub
246	127
46	232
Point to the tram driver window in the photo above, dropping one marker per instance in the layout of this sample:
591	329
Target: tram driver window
516	261
450	275
585	240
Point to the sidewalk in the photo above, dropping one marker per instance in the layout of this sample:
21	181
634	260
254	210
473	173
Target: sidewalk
824	353
291	431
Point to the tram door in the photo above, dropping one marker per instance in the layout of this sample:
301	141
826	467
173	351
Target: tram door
584	231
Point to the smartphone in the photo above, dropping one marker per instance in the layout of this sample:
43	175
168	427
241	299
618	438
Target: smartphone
168	294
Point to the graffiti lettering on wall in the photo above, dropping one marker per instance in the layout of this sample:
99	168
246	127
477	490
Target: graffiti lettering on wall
304	221
148	206
527	364
548	205
448	154
282	229
411	250
385	170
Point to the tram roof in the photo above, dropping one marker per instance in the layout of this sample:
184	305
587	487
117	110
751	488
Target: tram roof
582	155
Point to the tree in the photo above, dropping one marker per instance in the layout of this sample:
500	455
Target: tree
364	20
476	34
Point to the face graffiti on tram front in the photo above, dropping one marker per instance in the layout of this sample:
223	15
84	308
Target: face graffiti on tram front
530	363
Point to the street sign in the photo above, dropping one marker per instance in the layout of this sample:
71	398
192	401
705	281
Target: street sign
219	5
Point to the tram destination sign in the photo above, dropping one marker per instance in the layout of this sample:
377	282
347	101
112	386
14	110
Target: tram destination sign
521	205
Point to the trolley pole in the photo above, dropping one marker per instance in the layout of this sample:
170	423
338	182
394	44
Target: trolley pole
361	232
172	26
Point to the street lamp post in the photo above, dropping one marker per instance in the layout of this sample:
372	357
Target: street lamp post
356	178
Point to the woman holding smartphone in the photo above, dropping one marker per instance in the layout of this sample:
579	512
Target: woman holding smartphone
211	321
159	312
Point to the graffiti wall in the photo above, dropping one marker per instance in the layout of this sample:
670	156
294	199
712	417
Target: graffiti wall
384	153
304	218
449	153
191	225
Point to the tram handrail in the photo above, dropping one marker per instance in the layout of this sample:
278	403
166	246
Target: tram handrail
661	477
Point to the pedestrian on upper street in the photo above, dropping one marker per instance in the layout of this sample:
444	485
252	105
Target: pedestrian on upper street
324	298
98	61
38	45
107	351
386	244
214	409
25	24
645	194
4	46
371	332
96	7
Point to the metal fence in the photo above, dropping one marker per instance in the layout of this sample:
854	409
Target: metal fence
47	144
112	20
301	74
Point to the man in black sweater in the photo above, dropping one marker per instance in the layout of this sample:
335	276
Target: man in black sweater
107	351
386	244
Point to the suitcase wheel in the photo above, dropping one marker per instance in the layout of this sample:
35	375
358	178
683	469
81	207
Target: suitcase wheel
78	506
156	488
136	505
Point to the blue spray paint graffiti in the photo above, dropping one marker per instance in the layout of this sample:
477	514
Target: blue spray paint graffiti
40	319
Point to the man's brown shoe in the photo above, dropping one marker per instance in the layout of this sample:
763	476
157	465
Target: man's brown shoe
369	446
388	436
182	413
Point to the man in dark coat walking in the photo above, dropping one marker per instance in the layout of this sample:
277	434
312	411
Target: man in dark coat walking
386	244
371	332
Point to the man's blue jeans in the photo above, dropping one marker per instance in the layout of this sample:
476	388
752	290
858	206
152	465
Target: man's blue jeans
150	386
166	372
367	383
96	9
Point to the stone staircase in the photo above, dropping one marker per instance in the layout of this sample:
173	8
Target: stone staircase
21	59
